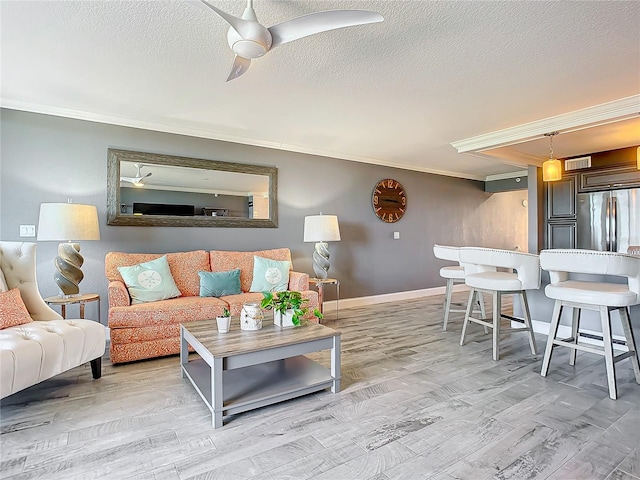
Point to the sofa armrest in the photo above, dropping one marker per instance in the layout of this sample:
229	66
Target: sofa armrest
118	294
298	282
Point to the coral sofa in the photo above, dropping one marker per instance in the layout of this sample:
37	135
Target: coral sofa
45	344
147	330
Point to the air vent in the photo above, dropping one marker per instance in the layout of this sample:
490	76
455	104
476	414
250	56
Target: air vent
577	163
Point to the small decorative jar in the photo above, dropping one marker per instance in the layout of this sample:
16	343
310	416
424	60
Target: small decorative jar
251	316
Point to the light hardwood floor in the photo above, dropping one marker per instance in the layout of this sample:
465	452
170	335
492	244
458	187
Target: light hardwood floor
414	404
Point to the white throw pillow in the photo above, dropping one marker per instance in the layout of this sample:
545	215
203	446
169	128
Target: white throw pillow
150	281
270	275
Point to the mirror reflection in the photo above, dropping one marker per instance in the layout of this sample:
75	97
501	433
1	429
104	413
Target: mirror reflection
150	189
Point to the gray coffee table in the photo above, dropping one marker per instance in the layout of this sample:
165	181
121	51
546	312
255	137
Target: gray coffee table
242	370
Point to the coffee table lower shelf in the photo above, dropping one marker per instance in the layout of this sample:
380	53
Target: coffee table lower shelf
256	386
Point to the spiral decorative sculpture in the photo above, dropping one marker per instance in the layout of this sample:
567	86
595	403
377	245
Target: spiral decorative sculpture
321	260
68	263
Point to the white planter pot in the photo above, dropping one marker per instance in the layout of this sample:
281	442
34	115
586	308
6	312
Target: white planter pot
223	324
283	320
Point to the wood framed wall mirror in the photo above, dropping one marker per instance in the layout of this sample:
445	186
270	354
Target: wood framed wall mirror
148	189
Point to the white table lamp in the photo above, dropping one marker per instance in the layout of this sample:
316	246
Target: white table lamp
68	222
321	229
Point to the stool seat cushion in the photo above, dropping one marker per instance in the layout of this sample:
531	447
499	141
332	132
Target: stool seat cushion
498	281
592	293
452	272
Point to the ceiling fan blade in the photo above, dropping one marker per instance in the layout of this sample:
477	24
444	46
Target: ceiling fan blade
243	27
320	22
240	65
147	175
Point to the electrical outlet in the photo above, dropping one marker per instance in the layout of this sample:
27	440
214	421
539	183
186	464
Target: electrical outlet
396	235
27	230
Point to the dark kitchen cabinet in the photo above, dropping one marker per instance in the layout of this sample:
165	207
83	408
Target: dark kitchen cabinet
561	199
626	176
561	213
561	234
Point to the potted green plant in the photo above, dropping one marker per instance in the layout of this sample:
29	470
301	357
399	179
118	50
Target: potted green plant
224	321
288	307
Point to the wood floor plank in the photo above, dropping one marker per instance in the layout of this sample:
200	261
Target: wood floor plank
414	404
496	455
631	463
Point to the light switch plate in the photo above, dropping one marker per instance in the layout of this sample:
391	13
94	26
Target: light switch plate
27	230
396	235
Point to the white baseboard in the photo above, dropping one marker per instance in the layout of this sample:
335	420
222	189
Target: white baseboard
330	306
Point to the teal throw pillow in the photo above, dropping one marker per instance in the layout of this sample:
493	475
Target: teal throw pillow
150	281
269	275
219	284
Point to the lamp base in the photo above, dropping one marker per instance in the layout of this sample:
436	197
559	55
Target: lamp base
321	260
68	262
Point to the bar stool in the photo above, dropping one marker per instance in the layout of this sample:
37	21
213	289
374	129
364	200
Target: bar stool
603	297
498	283
453	274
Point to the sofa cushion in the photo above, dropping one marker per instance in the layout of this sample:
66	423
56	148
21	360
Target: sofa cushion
149	281
12	309
184	267
175	310
270	275
217	284
226	260
235	302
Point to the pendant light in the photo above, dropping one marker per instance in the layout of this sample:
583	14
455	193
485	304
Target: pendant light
552	168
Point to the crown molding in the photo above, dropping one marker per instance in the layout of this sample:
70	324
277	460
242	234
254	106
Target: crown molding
602	114
194	132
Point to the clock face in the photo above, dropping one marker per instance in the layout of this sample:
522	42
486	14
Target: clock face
273	275
149	279
389	200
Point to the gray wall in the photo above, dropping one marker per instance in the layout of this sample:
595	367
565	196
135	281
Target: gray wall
48	159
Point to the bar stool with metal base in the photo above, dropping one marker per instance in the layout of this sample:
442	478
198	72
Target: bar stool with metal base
524	275
601	296
453	274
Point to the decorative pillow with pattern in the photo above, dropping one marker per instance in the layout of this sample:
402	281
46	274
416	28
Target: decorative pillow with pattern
150	281
12	309
219	284
269	275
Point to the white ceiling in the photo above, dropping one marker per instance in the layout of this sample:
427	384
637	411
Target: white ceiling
394	93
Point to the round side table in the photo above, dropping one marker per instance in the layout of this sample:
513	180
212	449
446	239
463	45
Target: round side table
81	299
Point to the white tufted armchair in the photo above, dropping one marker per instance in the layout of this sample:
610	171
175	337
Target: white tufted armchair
39	350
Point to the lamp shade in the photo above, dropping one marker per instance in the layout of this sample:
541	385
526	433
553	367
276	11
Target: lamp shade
551	170
321	228
68	222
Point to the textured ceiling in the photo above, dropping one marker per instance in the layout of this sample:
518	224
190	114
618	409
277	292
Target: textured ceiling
393	93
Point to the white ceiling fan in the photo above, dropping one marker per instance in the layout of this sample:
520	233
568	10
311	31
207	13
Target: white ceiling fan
137	180
249	39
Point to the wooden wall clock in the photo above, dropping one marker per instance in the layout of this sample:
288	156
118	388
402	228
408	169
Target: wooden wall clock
389	200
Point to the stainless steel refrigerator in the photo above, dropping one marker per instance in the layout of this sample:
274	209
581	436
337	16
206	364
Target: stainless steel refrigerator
609	220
